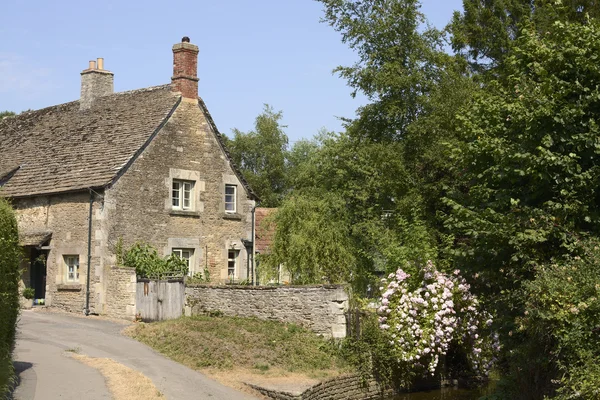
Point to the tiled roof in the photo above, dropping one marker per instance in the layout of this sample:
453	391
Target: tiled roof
264	233
62	148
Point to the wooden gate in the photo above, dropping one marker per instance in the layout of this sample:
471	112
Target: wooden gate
158	300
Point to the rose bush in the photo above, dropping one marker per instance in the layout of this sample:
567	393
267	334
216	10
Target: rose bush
424	315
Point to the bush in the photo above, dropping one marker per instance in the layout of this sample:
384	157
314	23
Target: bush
148	264
29	293
557	341
9	291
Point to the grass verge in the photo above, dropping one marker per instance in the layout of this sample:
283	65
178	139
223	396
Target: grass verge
123	382
224	343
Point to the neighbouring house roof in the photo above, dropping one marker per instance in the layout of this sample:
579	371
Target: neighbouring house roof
264	233
34	238
62	148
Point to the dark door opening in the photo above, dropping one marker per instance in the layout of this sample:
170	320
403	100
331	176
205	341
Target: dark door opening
38	272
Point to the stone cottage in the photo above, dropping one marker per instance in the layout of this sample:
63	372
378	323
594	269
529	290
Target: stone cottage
144	165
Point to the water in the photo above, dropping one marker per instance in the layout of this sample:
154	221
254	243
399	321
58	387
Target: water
444	394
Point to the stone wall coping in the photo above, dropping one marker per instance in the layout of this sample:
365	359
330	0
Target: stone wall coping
122	268
248	287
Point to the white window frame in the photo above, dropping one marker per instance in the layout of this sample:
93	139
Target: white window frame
71	261
184	192
233	200
190	257
232	260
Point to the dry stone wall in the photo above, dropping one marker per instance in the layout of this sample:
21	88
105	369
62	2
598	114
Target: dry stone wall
319	308
347	387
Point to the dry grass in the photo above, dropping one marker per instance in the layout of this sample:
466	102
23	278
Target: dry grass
225	343
123	382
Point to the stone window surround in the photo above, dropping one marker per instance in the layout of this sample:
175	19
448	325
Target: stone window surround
187	244
61	266
241	260
191	252
230	179
199	187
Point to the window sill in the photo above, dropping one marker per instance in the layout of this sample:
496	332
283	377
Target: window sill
233	216
185	213
69	287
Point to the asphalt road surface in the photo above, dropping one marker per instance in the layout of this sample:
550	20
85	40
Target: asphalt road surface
47	373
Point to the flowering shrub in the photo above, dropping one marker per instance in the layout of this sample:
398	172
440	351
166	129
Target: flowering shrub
422	316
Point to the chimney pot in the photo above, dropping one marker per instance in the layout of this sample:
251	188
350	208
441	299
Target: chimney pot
95	82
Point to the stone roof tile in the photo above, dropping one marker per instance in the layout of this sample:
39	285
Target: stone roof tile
62	148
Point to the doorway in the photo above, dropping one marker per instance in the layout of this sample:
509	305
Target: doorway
38	272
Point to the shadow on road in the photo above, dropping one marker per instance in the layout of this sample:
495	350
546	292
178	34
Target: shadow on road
20	367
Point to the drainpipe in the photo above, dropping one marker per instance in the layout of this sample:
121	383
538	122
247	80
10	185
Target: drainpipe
89	258
253	244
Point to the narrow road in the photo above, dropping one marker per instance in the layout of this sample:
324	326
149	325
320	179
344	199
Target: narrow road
47	373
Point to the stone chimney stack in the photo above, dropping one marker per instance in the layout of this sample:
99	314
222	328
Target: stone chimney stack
185	69
95	82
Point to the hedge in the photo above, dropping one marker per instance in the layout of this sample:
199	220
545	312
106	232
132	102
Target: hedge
10	255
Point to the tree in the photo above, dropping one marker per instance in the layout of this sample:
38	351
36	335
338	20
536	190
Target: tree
4	114
529	167
487	29
260	155
312	240
399	61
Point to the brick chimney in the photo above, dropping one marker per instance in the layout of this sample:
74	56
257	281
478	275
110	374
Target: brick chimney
95	82
185	69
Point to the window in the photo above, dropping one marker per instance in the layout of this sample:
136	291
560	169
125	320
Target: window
72	263
232	256
188	256
230	206
182	195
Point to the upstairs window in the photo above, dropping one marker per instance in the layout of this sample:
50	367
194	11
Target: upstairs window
182	195
230	196
72	264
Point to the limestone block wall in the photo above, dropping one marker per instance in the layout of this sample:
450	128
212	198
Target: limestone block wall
319	308
120	293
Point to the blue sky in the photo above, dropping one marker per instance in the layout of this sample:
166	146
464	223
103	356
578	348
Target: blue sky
251	52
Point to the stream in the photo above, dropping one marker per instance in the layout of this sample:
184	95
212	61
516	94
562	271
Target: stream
450	393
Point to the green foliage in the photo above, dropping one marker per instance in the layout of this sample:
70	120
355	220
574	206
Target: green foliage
486	31
29	293
4	114
399	60
312	240
10	256
260	155
199	277
148	264
529	170
367	348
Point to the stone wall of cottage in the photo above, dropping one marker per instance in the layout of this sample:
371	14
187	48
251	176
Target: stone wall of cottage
120	293
319	308
138	206
66	216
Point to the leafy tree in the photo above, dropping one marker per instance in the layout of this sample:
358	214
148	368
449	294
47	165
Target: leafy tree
4	114
312	240
399	62
529	167
487	29
260	154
